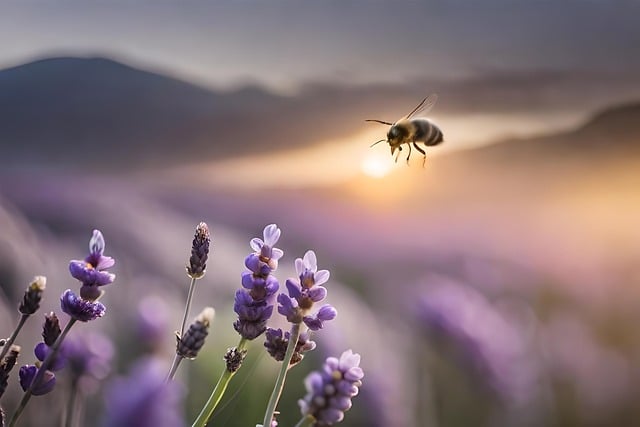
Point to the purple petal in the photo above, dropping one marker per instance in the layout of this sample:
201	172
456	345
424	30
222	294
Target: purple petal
317	293
28	373
310	261
96	244
321	277
294	289
313	323
348	360
256	244
248	280
327	312
271	234
105	262
299	266
354	374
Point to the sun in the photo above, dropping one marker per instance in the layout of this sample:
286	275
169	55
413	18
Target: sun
376	165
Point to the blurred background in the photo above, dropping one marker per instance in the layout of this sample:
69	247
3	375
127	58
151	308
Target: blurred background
497	286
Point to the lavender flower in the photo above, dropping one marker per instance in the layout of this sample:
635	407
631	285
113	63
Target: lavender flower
92	270
488	344
6	365
190	344
276	345
144	399
305	292
89	359
33	295
329	392
50	328
42	351
254	303
28	374
79	308
199	252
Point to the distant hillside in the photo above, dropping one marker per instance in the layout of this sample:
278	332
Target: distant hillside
96	113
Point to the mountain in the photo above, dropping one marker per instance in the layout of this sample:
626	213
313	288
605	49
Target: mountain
96	113
99	114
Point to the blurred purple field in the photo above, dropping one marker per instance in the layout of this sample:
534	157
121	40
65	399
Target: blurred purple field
488	292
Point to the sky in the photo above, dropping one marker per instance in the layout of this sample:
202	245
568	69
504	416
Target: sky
495	60
283	44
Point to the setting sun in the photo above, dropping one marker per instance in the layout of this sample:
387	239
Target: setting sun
377	164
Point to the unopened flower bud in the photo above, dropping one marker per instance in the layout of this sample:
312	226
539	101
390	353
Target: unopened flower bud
33	295
190	344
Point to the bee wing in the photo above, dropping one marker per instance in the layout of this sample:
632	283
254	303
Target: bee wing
424	107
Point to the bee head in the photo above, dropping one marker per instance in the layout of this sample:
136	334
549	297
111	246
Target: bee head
396	134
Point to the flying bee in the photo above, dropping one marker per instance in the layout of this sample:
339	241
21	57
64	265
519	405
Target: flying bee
412	129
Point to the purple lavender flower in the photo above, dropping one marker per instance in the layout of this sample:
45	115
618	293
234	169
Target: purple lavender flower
28	374
42	350
92	270
79	308
254	303
144	399
303	294
276	345
329	392
89	359
486	343
199	252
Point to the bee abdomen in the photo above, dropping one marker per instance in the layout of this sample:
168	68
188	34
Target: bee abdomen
427	133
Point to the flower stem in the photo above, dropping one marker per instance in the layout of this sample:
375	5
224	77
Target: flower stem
218	392
305	421
174	366
13	336
277	389
71	404
40	374
187	307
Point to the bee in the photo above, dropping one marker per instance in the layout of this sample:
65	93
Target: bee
412	129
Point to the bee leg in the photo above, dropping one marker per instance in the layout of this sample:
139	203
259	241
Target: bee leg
398	155
408	155
424	155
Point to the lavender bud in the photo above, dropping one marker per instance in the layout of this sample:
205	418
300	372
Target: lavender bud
234	358
190	344
6	366
199	252
50	328
33	295
276	344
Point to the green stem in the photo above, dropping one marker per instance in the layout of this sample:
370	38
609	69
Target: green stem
12	338
277	389
305	421
174	366
187	307
71	404
45	365
217	392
